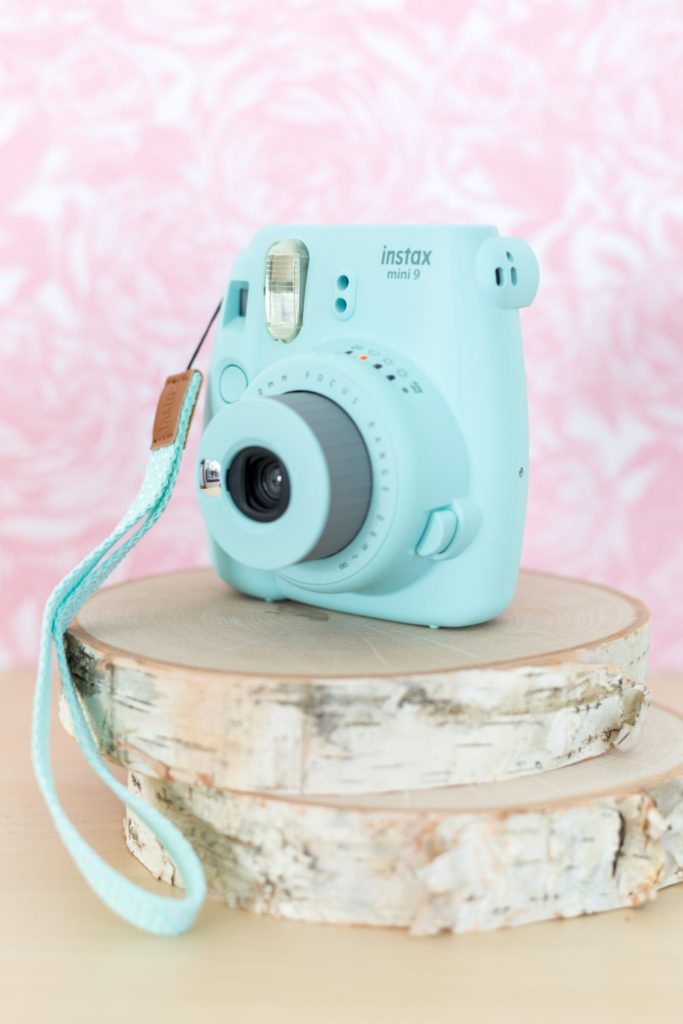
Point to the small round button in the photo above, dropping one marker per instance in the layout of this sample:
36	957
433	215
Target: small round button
233	383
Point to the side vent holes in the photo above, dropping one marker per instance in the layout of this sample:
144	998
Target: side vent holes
500	276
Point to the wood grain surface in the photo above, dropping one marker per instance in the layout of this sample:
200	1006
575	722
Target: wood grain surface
590	837
189	681
64	956
192	619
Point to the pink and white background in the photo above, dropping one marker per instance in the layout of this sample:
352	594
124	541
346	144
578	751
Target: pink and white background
143	142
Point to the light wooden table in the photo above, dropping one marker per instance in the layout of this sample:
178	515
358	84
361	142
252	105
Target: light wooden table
64	957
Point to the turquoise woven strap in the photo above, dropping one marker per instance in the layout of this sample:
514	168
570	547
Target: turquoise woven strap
162	915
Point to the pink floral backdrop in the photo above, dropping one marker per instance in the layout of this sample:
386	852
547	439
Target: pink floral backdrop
142	143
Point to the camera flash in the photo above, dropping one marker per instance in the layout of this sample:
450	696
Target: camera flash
286	269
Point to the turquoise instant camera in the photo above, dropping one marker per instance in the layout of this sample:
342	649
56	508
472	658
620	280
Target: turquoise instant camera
365	445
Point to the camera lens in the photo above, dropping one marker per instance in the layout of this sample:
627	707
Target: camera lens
259	484
271	480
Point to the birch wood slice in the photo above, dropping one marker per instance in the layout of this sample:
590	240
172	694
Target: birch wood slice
590	837
189	681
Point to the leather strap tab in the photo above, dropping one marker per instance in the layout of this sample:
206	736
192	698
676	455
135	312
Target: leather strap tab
166	419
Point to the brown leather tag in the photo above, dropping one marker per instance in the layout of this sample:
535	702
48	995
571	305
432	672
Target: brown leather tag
170	403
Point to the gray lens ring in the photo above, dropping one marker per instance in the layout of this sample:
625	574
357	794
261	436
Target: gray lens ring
348	464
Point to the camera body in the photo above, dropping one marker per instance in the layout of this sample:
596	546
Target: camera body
365	446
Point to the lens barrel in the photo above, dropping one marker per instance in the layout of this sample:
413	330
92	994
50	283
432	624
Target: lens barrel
327	491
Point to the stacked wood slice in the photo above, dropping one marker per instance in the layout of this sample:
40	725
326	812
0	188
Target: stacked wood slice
328	767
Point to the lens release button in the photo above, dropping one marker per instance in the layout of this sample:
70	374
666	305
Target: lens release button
233	383
438	534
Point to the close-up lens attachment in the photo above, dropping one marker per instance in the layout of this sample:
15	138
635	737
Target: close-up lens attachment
258	483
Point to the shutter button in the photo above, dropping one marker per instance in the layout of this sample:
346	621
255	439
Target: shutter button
438	534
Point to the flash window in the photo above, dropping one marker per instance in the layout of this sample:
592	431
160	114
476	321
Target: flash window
286	270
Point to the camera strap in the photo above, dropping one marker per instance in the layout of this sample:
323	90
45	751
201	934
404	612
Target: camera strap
161	915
